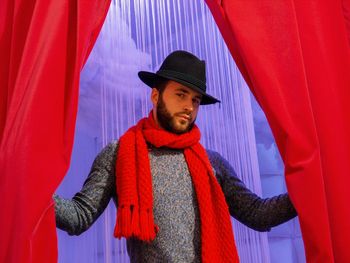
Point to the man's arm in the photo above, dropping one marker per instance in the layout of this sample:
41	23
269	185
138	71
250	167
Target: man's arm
77	214
258	213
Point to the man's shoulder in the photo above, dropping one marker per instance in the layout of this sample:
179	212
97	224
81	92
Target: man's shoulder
213	155
108	151
111	146
216	160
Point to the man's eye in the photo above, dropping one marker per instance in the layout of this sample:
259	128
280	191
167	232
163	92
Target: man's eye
181	95
196	101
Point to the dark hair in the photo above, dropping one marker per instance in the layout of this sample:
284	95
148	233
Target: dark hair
160	84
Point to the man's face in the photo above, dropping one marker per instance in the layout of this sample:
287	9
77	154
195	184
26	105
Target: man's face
176	107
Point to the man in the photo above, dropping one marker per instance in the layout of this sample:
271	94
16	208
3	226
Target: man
174	198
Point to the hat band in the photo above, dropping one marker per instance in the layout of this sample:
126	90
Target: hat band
188	78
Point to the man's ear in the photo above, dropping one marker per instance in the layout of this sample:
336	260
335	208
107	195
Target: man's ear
154	96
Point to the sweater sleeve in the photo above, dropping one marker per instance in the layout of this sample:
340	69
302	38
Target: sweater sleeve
257	213
76	215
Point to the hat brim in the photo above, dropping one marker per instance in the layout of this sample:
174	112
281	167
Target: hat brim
150	79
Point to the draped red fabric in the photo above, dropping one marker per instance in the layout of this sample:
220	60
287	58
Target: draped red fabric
295	57
43	46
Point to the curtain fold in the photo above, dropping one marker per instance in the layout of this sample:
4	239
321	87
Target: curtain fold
295	57
43	46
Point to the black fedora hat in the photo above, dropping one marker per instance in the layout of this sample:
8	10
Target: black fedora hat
185	68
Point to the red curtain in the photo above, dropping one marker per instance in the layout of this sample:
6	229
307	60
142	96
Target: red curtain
295	57
43	46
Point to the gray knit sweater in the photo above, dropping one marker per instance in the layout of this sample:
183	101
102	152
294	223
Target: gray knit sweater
175	205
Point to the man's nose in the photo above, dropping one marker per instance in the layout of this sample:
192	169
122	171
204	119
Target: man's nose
189	106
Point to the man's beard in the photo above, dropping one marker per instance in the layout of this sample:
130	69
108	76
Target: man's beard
167	121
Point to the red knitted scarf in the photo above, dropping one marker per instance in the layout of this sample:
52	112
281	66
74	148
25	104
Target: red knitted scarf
134	189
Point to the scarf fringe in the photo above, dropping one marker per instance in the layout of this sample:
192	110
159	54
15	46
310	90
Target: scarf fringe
148	229
135	222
